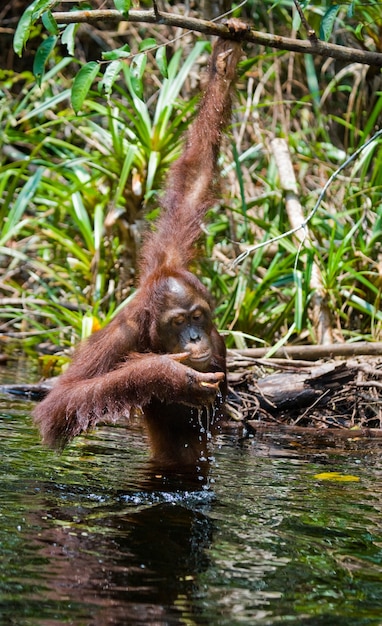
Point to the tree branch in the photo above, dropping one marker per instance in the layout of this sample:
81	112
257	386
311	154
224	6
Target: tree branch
321	48
314	352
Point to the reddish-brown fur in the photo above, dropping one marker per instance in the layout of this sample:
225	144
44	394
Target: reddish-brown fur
161	352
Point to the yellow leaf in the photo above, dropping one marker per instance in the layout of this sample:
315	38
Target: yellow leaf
95	324
337	476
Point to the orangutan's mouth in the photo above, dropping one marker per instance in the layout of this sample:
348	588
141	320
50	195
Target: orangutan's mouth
199	358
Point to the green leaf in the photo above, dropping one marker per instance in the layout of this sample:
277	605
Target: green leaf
68	37
82	220
161	59
23	28
125	172
42	54
362	305
152	168
136	72
123	6
87	325
327	24
110	76
82	83
46	104
120	53
358	31
146	44
28	18
50	23
13	222
350	11
177	74
281	342
299	301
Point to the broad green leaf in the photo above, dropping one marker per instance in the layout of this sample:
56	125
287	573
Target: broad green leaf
146	44
138	65
136	72
42	54
68	37
120	53
31	14
152	168
110	76
24	27
50	23
326	27
82	83
123	6
81	217
161	59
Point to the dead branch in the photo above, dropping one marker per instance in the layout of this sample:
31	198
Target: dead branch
337	394
312	353
315	47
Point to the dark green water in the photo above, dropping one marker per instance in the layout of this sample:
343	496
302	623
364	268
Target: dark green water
90	538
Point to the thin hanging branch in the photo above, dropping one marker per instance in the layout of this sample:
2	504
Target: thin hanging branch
313	46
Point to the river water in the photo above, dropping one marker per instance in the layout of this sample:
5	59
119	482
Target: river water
285	532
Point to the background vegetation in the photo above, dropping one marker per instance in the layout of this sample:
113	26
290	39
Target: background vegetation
76	190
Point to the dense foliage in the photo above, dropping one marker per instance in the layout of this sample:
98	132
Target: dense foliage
84	148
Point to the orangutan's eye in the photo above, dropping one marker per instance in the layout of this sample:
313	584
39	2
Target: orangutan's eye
178	320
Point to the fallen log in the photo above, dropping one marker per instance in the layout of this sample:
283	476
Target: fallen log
313	353
32	391
283	391
338	394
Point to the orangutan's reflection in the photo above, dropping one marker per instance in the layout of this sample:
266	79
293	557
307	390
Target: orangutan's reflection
115	564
